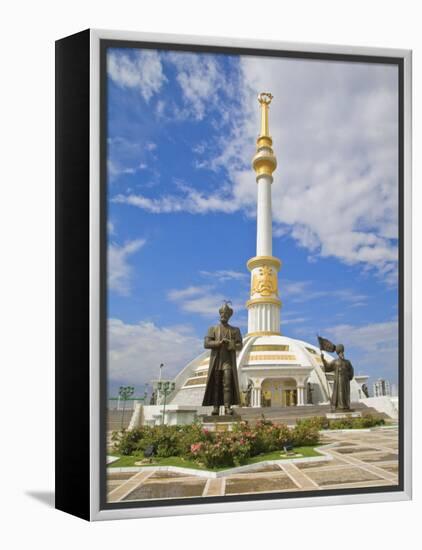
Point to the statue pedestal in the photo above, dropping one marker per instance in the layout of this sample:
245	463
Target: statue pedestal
221	423
337	415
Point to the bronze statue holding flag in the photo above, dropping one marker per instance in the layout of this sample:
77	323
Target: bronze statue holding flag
343	374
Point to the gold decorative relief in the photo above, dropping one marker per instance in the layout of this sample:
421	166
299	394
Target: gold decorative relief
270	347
264	282
258	261
262	333
197	381
268	357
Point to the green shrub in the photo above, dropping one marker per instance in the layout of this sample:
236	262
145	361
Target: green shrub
214	449
341	424
190	434
126	442
323	423
315	422
164	439
270	437
367	421
304	435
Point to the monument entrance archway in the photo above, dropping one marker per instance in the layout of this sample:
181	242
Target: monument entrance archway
278	392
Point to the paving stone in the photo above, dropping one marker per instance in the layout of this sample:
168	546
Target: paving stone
264	468
377	457
120	475
394	468
351	450
341	475
214	487
319	464
364	459
127	486
258	484
113	484
167	474
167	489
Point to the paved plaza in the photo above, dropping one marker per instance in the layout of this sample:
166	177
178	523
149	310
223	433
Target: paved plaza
354	458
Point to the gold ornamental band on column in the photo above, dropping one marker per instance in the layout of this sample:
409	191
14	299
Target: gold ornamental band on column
258	261
275	301
264	162
262	333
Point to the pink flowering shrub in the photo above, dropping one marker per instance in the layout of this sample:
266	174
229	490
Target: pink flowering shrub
195	448
265	436
224	449
215	449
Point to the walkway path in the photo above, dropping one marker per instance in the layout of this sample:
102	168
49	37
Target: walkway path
359	459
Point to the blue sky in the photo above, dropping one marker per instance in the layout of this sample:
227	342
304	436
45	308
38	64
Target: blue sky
182	202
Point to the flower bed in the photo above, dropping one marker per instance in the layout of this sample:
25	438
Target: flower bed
214	449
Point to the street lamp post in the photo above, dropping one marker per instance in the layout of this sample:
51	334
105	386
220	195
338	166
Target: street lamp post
125	392
145	394
165	388
158	399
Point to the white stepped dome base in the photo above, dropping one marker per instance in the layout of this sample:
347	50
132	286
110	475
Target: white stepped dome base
274	363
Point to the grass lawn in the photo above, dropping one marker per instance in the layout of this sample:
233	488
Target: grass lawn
126	461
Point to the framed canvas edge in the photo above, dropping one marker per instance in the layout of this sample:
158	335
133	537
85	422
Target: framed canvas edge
94	264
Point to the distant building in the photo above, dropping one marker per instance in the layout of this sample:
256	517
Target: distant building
362	380
381	387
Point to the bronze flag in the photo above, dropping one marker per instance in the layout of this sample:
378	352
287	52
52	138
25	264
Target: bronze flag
326	345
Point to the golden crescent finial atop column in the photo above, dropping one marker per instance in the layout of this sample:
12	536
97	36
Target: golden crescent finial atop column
265	99
264	161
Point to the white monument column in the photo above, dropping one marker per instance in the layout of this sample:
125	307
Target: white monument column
300	395
256	396
264	304
264	245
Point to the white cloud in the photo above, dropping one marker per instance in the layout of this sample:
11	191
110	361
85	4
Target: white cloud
289	320
303	291
295	288
188	292
223	275
142	69
128	157
191	201
375	345
160	108
199	148
335	132
119	270
203	300
334	127
200	79
136	350
110	228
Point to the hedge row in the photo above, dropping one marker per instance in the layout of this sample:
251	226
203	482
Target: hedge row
214	449
323	423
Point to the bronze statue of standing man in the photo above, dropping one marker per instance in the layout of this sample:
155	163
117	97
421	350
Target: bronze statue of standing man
222	383
343	374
